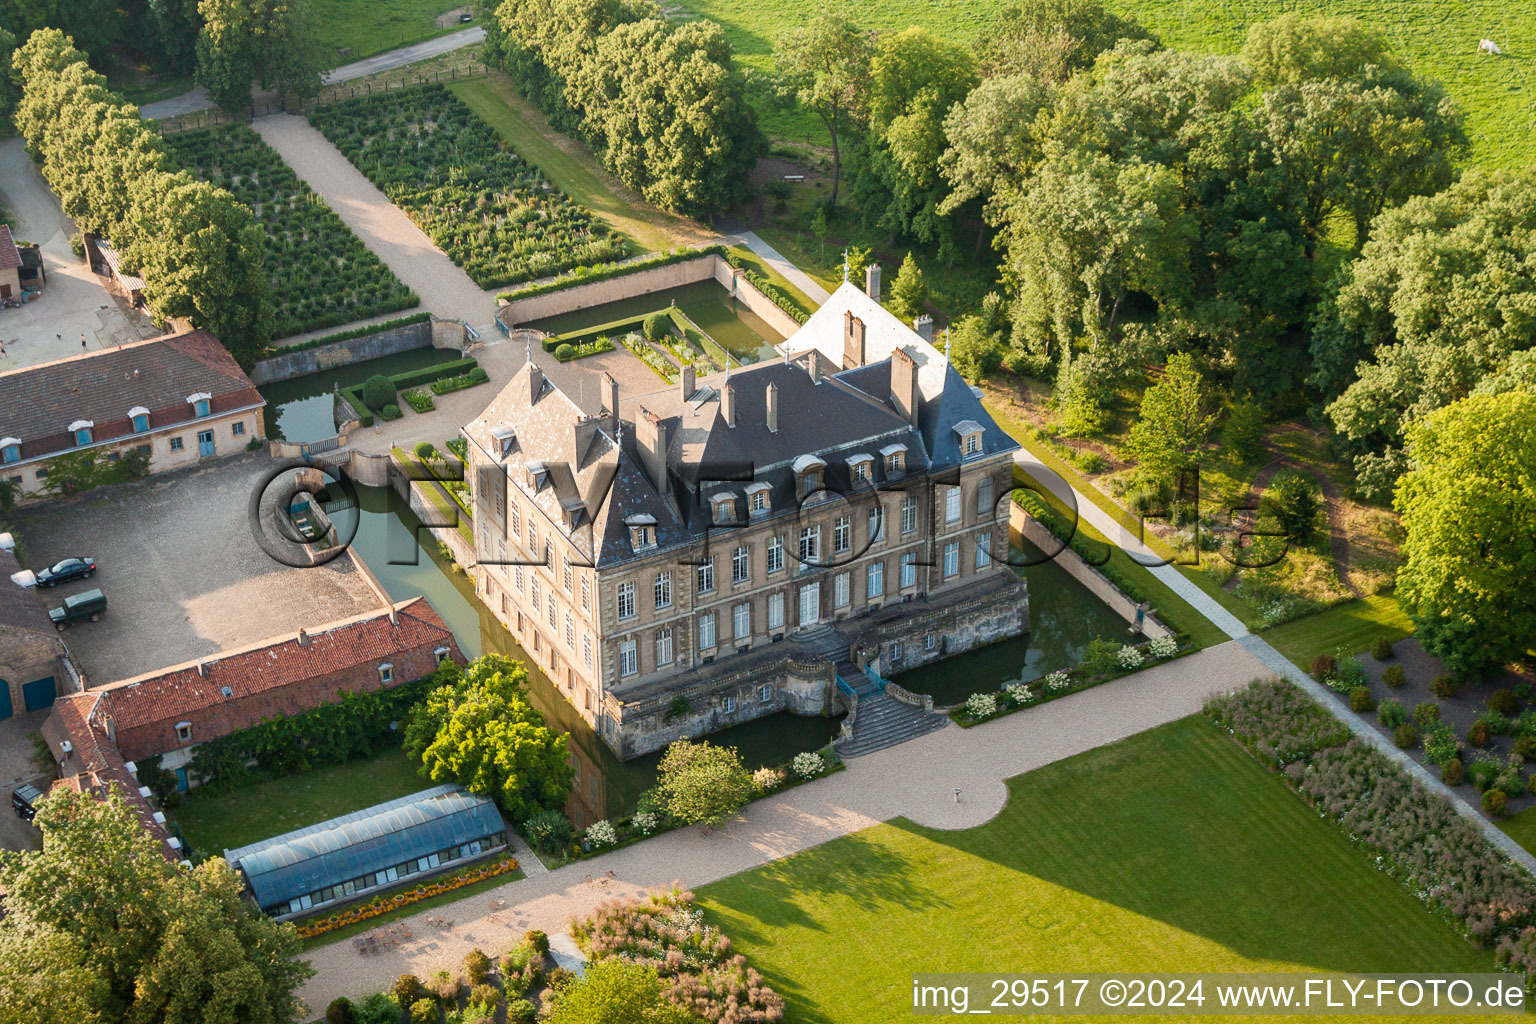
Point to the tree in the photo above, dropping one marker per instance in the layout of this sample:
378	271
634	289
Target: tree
909	295
702	783
1293	500
614	991
137	939
1469	551
1048	40
826	64
479	729
177	25
993	142
94	25
1175	422
819	229
269	41
975	349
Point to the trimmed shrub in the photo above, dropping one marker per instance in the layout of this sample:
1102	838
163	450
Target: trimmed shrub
1505	703
477	967
1444	686
1525	746
549	832
1482	771
1440	744
565	352
1324	667
1494	801
390	412
479	375
378	392
1360	699
655	325
1479	734
1391	713
1406	736
1497	724
1426	713
1452	772
408	988
1381	648
424	450
1394	676
488	996
339	1012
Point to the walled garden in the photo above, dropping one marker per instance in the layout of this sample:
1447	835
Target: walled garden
321	273
492	213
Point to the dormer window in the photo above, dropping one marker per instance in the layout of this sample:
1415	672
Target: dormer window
140	417
642	532
723	509
859	468
386	673
82	431
10	449
808	473
757	498
504	442
184	732
969	434
574	512
895	456
201	403
538	476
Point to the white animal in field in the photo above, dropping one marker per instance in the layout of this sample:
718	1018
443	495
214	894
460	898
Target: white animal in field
1489	46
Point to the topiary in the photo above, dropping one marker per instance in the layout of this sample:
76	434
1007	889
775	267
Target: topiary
339	1012
1381	648
478	375
1494	801
1444	686
378	392
1360	699
565	352
1479	734
655	325
1324	667
1394	676
1453	773
1426	712
424	450
1406	736
390	412
1504	702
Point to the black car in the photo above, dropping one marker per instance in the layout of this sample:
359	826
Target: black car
82	568
24	800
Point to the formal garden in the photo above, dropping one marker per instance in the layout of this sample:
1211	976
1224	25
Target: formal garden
492	213
381	396
321	273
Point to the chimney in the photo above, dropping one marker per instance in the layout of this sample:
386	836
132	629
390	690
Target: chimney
581	439
650	438
303	638
110	725
853	341
535	382
394	616
872	281
813	365
613	403
202	669
923	325
689	382
771	403
728	405
904	394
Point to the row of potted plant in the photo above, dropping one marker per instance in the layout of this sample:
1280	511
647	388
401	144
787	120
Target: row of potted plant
387	902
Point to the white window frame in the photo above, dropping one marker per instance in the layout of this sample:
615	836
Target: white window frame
586	649
841	590
775	611
908	515
664	655
629	658
876	523
983	549
908	570
707	637
586	592
662	590
386	673
741	564
842	534
810	545
728	705
764	694
776	552
625	594
951	559
874	581
741	621
952	505
704	575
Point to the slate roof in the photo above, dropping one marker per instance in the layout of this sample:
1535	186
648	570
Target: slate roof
20	607
10	257
884	333
38	403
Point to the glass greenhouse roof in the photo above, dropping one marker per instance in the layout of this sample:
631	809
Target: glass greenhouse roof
375	838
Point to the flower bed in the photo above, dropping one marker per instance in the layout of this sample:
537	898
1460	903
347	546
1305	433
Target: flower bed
649	356
386	902
466	369
419	400
321	273
1276	722
985	706
492	213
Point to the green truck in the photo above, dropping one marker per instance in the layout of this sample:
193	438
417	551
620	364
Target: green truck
88	605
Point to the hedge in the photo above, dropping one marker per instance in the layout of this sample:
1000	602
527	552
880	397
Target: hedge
352	332
606	271
409	379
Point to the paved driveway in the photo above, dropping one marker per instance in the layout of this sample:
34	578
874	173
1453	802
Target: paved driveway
182	570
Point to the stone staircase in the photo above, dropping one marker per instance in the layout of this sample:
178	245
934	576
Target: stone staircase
821	641
883	721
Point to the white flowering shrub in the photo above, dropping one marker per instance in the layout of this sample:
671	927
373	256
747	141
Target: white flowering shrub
1020	694
645	821
1056	682
1130	657
602	833
1164	647
808	764
981	705
765	779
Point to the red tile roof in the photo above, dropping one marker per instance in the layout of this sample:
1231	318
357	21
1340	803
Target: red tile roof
172	694
9	256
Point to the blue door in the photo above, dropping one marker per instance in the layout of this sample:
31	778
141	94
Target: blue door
205	442
5	700
38	693
181	780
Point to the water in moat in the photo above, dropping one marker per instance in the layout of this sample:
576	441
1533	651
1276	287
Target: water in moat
1063	618
737	329
302	408
386	539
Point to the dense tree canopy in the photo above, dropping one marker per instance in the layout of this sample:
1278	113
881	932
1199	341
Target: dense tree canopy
1175	420
701	783
99	927
825	65
614	991
1467	508
479	729
269	41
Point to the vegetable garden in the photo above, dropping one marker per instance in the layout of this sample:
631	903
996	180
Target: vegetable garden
321	273
492	213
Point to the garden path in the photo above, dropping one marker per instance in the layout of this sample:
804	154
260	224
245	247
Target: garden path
384	228
916	780
1276	662
778	261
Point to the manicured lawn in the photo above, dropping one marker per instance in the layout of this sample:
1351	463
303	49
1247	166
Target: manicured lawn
1170	851
1522	828
215	824
1436	39
373	26
1353	625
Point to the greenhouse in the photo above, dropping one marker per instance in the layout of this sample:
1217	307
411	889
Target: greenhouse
369	850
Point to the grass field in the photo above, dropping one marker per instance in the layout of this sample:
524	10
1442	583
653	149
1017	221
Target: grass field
215	824
1170	851
1522	828
367	27
1352	625
1437	38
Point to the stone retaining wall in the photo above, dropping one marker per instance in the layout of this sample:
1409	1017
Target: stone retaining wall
432	333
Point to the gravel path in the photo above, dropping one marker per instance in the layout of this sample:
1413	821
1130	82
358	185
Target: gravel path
916	780
778	261
383	227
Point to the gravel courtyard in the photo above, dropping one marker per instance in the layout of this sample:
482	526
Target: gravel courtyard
183	574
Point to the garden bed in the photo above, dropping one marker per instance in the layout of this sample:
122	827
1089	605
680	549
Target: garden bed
492	213
686	342
335	918
443	378
321	273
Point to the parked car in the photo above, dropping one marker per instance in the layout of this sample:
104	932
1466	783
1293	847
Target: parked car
76	607
82	568
466	18
24	800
